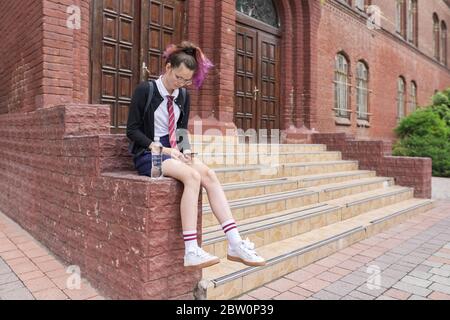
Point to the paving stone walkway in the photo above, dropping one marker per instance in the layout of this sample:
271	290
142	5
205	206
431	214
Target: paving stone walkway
408	262
28	271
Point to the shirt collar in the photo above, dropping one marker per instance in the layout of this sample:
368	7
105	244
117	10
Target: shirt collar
162	89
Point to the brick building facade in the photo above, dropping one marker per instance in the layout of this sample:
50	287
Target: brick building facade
50	64
68	71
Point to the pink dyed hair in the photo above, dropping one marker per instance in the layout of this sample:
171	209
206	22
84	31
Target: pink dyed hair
203	63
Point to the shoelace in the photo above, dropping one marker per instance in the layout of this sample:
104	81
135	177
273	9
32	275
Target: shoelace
249	246
202	253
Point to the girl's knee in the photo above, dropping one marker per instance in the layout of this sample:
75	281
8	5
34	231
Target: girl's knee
192	177
210	177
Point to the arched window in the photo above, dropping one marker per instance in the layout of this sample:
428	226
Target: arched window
412	22
362	91
413	97
444	43
341	103
262	10
400	98
436	39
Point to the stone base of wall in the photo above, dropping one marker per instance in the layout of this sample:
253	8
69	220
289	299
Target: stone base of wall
72	185
377	156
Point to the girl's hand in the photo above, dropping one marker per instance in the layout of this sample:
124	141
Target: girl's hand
188	157
175	154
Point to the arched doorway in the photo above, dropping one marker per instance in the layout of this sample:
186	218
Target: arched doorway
257	68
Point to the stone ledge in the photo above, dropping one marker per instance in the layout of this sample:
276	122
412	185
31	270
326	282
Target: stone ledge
73	188
376	155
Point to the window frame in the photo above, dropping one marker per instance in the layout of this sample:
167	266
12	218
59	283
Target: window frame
341	87
401	98
362	90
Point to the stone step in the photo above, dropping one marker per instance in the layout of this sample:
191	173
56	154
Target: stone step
256	188
288	223
217	160
231	279
253	148
260	172
266	204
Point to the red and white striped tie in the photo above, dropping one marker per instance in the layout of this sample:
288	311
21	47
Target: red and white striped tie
172	136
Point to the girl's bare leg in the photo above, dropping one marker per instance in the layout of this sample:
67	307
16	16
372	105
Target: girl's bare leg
189	201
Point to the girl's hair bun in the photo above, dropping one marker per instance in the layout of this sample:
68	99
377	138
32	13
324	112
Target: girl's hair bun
200	63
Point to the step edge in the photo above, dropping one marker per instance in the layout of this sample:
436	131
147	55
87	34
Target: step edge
275	260
320	210
248	185
207	208
224	279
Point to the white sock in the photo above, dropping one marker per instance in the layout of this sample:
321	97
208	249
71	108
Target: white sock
231	231
190	240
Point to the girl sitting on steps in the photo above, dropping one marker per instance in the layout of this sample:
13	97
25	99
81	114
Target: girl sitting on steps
167	112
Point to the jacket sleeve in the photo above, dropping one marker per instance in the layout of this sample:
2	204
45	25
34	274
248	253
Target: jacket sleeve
184	144
135	114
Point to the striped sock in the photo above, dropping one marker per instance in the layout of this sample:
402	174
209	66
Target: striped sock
231	231
190	240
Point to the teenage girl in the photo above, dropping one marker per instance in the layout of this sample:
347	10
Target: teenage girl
167	113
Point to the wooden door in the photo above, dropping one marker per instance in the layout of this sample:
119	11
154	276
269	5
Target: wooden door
246	79
164	23
256	80
129	38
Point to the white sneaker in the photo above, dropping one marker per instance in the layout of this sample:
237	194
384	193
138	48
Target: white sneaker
197	258
245	252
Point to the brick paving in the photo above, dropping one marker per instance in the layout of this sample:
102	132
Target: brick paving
408	262
28	271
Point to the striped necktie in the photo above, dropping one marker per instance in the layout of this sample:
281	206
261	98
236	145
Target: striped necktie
172	136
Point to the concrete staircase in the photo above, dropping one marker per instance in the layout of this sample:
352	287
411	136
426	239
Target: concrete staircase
297	203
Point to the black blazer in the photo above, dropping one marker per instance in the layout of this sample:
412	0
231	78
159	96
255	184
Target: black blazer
142	132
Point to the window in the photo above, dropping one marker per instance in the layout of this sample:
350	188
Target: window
444	43
263	10
400	17
436	36
400	98
413	97
341	87
362	91
412	22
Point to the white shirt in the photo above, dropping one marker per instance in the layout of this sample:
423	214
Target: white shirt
162	114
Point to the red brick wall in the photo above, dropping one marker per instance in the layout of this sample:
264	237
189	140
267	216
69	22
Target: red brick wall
21	55
376	155
387	57
66	54
47	62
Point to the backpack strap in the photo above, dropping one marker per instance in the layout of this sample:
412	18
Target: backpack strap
183	94
151	90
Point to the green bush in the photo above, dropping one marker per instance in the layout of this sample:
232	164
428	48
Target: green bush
426	133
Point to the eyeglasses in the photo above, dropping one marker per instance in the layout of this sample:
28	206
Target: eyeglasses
183	80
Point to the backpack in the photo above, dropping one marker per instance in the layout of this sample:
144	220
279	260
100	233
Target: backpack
151	91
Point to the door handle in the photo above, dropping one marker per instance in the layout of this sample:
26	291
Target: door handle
145	72
255	93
